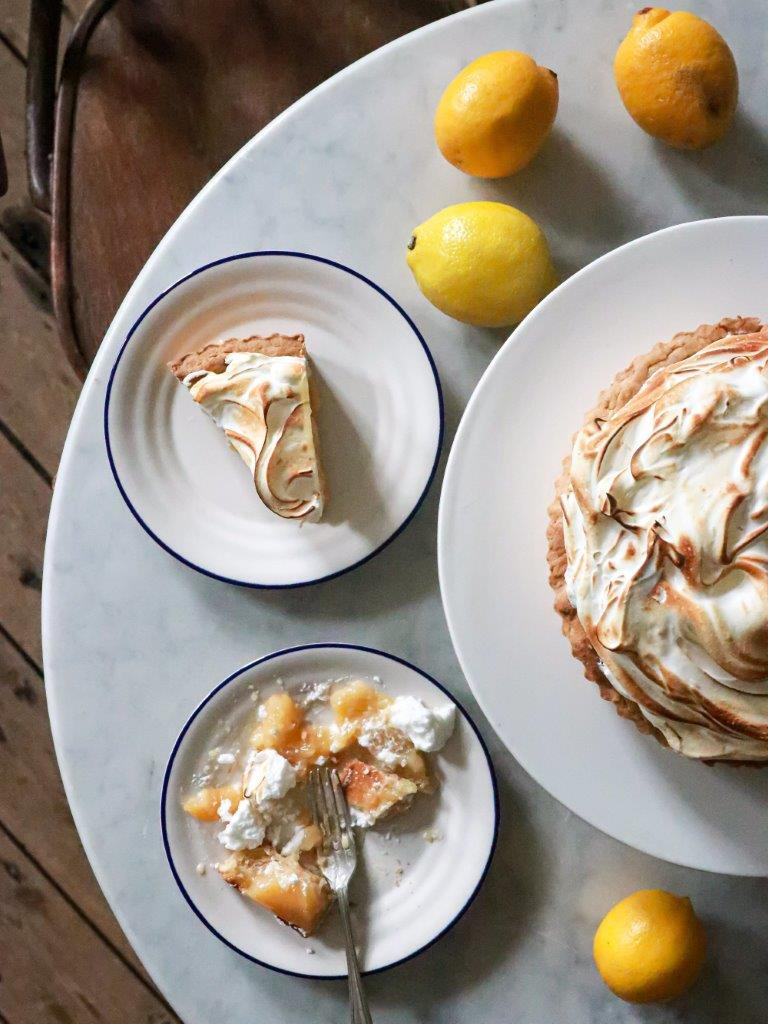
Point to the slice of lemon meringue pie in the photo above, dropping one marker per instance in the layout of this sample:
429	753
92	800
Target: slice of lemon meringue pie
658	543
257	391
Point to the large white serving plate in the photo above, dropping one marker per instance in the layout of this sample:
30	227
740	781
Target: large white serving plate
492	550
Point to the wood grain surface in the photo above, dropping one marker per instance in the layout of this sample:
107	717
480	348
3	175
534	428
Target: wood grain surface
42	927
63	957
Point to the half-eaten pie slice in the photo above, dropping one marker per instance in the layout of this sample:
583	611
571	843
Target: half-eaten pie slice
257	390
372	792
296	895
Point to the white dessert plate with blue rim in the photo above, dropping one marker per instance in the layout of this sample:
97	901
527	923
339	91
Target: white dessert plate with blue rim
417	872
379	415
492	548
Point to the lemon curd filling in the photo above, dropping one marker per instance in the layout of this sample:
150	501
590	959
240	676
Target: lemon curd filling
380	746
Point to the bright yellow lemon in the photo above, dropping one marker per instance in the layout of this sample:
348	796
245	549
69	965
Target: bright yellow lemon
677	78
494	116
482	263
650	946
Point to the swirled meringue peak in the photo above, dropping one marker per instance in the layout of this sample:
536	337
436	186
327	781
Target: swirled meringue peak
261	401
666	534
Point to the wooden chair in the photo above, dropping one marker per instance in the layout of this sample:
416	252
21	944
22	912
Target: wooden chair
152	97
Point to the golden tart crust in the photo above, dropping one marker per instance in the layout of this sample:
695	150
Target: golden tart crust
211	358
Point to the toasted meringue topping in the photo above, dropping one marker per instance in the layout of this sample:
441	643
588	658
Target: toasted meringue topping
262	404
666	534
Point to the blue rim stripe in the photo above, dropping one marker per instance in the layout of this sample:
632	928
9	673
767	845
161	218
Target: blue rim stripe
272	657
339	572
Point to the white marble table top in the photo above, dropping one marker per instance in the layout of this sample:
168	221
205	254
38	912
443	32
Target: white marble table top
133	639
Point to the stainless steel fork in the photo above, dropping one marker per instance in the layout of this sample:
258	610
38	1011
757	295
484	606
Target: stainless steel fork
338	860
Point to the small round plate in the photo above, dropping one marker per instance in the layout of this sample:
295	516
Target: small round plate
409	891
499	482
380	417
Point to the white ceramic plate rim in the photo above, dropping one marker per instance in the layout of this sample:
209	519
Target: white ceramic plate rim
256	584
271	657
443	554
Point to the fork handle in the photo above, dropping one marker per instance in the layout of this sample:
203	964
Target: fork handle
358	1004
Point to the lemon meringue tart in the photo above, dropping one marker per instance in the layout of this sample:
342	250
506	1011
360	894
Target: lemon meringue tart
257	390
658	543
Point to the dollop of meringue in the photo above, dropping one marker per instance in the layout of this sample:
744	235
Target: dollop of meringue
666	535
262	404
267	777
244	829
428	729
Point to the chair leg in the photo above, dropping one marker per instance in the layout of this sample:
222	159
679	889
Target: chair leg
44	26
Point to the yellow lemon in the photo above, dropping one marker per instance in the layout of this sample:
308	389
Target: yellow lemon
650	946
482	263
677	78
495	114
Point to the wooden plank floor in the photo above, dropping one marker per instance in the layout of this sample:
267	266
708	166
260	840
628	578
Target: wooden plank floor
63	957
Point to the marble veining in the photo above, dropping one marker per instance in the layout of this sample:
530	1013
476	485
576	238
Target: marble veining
134	640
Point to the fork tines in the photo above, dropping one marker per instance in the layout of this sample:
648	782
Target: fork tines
330	810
